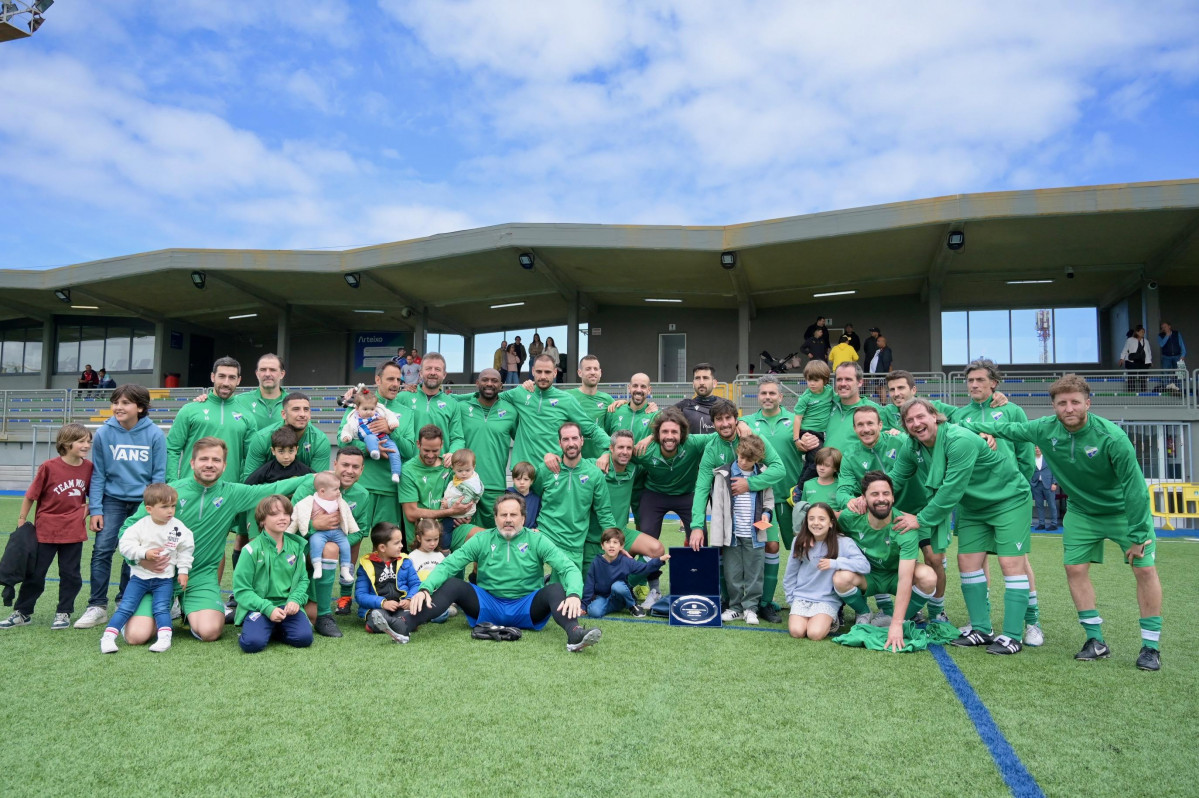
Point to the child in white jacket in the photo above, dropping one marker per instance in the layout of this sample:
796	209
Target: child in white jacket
818	551
326	495
357	425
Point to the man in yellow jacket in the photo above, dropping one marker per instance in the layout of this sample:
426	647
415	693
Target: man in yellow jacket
843	352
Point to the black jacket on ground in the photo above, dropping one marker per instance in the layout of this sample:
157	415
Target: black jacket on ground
19	560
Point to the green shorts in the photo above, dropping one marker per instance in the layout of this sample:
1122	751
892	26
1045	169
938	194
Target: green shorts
1007	533
781	530
203	593
385	507
460	534
1083	536
882	582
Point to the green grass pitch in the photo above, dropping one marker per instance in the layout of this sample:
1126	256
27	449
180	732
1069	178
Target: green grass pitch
651	710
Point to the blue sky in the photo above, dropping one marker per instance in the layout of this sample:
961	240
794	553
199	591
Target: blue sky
135	126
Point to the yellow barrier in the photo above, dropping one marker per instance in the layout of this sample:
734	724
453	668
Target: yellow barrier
1174	500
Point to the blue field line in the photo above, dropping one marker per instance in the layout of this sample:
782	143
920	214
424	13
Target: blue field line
1014	774
665	623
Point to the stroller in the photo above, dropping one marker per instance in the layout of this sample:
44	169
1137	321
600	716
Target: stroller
790	362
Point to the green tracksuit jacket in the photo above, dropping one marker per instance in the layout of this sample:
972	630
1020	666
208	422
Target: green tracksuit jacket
264	411
266	578
674	476
816	409
509	568
777	431
910	496
889	415
885	547
488	432
359	502
540	413
596	408
620	500
840	434
441	410
215	417
1021	453
313	449
720	452
635	421
570	501
376	474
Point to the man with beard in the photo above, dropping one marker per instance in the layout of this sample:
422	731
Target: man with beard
595	403
574	495
488	429
847	385
541	408
509	589
635	413
423	484
429	404
265	402
698	409
892	556
993	505
218	416
207	506
376	474
313	448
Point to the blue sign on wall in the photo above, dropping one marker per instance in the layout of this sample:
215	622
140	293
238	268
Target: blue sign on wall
373	348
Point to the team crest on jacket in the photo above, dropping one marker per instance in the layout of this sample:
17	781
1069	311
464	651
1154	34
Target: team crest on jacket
1091	451
218	501
997	415
237	416
892	454
553	403
599	403
502	413
522	548
291	559
786	422
441	405
583	479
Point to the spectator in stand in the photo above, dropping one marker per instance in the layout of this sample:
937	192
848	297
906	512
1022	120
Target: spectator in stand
880	361
1136	357
415	356
500	361
819	324
870	347
401	358
105	380
1171	343
854	340
521	354
552	350
816	345
843	352
89	378
512	372
535	350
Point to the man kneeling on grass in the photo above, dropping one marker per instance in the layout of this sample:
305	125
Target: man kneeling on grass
509	592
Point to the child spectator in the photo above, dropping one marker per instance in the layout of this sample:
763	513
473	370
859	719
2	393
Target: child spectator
606	589
270	582
129	452
739	526
327	496
427	556
357	425
158	531
818	551
464	488
285	444
823	486
60	491
386	580
813	410
523	474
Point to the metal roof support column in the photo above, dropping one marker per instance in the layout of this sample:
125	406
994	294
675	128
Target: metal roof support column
283	340
420	328
743	313
572	338
468	357
934	329
160	345
48	330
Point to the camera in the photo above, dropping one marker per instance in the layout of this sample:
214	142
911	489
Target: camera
1069	272
1153	285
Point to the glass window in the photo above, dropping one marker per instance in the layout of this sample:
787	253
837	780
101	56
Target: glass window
1032	336
12	352
451	348
1077	335
955	347
67	360
990	335
485	346
33	353
91	347
116	349
143	351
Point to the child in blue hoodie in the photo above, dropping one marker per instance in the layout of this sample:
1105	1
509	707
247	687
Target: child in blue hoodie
386	581
129	453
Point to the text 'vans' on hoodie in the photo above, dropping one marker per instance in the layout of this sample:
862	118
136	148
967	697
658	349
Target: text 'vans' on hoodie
126	461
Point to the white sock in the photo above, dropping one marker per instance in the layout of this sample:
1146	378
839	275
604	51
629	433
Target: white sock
316	569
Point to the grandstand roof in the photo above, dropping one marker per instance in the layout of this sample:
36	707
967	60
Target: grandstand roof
1114	237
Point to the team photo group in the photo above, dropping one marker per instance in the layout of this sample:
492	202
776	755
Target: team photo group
522	502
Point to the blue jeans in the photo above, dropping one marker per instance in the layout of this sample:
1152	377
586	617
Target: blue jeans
114	511
512	378
1170	362
257	630
372	447
621	597
161	591
318	538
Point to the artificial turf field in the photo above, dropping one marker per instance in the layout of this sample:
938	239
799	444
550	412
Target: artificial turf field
651	710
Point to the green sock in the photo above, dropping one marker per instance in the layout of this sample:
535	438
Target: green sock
936	606
1032	616
1092	624
770	578
916	604
324	587
885	604
978	604
1151	632
347	590
855	600
1015	605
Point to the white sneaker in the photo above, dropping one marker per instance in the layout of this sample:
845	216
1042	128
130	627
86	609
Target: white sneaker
865	619
653	598
880	619
18	618
347	578
1034	636
92	617
163	642
316	569
730	615
941	617
108	643
61	621
751	617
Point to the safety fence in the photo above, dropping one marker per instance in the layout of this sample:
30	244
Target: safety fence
933	384
1156	388
1175	505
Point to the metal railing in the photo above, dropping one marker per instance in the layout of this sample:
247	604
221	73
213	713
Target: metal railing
932	384
1156	388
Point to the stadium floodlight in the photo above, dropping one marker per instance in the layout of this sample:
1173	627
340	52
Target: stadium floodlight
728	259
64	295
525	259
353	279
956	240
11	28
35	22
41	5
8	9
199	279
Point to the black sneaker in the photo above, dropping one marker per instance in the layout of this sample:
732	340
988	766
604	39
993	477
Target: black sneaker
581	637
972	638
1004	645
637	611
1150	659
770	613
230	616
1092	650
343	606
326	626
